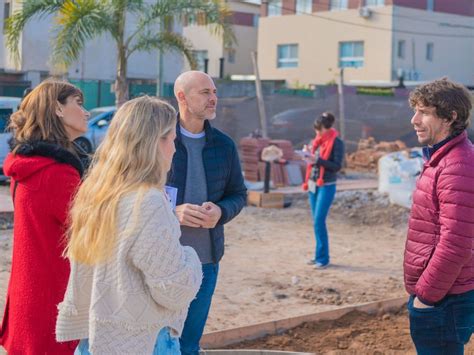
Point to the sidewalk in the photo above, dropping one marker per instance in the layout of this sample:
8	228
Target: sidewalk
6	205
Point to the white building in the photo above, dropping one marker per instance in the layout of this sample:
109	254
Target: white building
214	56
306	41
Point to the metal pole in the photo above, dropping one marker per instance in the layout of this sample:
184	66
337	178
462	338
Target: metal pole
159	84
266	179
260	103
340	91
221	68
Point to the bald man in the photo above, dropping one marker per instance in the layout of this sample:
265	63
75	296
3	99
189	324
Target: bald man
211	191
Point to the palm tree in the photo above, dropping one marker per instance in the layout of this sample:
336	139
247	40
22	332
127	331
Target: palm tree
77	21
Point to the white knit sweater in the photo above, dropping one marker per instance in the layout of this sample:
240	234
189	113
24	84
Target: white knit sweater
122	304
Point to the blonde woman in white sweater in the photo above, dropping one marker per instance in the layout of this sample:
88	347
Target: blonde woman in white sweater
130	277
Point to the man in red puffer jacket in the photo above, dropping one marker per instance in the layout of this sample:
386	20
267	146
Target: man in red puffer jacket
439	258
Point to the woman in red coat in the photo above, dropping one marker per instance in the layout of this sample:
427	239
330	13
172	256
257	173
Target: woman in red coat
45	172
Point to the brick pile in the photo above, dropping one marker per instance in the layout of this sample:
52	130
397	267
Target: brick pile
251	148
285	146
369	152
254	167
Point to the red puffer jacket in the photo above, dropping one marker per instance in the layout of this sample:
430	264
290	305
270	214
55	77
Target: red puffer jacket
439	248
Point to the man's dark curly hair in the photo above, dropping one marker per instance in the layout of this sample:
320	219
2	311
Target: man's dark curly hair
447	97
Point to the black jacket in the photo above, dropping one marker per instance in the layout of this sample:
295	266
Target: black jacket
225	183
332	165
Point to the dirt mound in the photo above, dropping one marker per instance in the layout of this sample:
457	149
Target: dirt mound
354	333
368	207
362	207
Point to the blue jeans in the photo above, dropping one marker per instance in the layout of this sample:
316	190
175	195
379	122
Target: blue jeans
320	203
445	328
198	311
165	345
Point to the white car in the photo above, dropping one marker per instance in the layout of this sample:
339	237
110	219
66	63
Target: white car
96	128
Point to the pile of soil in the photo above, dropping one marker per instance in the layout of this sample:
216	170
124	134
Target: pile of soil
362	208
367	207
354	333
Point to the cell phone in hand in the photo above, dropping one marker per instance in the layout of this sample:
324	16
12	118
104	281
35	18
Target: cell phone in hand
303	154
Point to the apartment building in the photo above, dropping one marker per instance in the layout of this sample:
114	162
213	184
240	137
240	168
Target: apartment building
216	57
376	41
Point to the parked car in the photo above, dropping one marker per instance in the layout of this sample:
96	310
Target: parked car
97	127
381	119
8	105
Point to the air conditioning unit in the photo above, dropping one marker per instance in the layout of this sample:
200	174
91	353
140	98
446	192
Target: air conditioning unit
365	12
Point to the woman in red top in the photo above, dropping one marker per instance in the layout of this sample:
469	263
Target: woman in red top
45	172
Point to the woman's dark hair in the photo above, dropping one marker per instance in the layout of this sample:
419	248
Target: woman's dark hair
447	97
326	120
37	120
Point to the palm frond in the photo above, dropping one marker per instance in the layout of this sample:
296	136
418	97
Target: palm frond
77	22
17	22
166	41
136	6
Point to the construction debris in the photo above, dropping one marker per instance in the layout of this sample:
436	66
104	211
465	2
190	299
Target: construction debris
288	169
251	150
369	152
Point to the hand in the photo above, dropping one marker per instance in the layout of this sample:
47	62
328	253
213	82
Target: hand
310	158
418	304
213	214
191	215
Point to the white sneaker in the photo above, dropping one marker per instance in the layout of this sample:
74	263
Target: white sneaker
320	266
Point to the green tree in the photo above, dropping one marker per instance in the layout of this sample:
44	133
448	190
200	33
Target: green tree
78	21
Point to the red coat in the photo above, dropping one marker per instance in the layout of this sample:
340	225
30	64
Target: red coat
439	252
39	273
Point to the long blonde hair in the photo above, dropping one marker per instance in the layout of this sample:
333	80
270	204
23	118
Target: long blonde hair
129	159
36	118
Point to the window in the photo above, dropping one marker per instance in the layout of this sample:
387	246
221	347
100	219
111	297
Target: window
287	56
429	51
256	19
231	55
304	6
351	54
200	57
401	49
274	7
430	5
338	5
6	13
374	2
